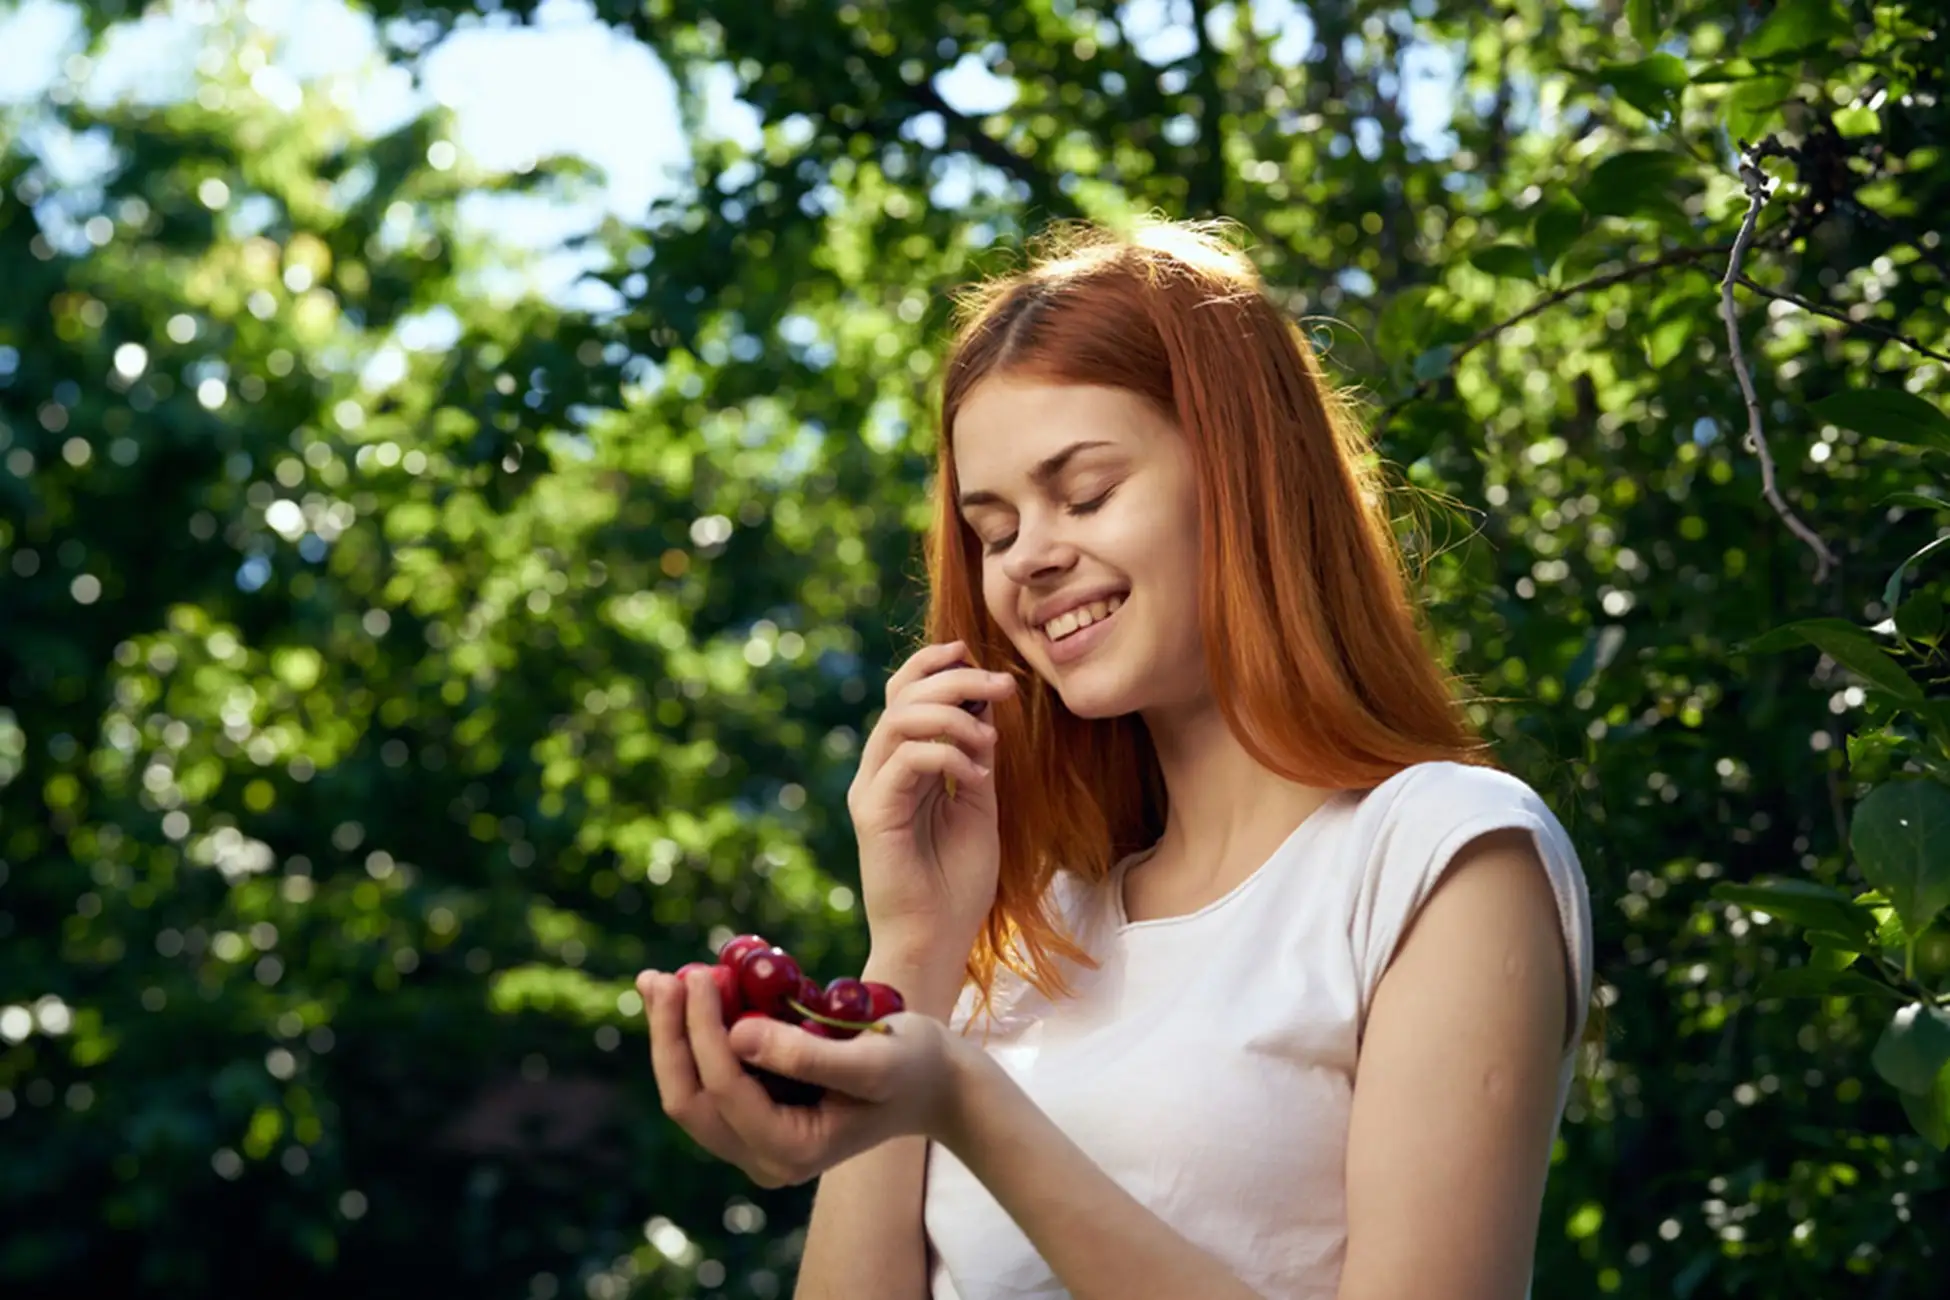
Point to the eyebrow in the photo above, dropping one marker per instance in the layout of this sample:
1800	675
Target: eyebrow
1046	470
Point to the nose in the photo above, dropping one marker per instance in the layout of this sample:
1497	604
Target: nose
1038	554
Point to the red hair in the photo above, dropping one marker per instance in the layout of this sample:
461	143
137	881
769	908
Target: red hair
1314	649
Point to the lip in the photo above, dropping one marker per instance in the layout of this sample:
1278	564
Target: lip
1054	608
1078	644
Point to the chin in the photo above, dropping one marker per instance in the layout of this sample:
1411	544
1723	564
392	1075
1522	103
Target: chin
1097	700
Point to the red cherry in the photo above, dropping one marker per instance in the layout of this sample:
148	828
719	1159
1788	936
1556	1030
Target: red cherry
849	999
736	950
818	1030
811	997
768	979
886	1000
729	999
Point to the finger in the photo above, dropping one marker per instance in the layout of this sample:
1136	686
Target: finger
905	723
913	765
859	1067
671	1063
675	1070
926	661
736	1094
954	685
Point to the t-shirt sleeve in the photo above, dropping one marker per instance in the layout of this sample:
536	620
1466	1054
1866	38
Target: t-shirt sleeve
1421	829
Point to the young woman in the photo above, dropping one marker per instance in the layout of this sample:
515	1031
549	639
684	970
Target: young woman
1234	967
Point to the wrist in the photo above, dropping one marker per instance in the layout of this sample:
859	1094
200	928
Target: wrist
970	1084
928	984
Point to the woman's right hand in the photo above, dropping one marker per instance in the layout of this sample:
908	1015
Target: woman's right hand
928	863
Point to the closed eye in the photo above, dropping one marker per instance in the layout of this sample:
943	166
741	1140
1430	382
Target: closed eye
1078	508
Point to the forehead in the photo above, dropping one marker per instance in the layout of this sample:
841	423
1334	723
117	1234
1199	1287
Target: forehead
1006	428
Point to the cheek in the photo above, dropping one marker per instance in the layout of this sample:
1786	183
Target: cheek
998	596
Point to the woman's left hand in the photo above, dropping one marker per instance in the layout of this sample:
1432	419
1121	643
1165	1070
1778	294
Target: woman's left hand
878	1086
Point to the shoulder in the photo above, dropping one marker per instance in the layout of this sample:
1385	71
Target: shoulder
1482	838
1447	794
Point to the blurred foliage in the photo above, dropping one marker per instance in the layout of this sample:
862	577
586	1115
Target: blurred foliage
389	668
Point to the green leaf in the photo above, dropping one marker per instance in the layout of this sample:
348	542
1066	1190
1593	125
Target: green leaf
1639	182
1870	753
1651	85
1857	120
1434	363
1892	589
1665	341
1560	220
1888	413
1754	107
1804	903
1406	322
1716	74
1852	647
1900	836
1921	616
1914	1048
1647	20
1915	501
1794	26
1512	261
1812	982
1830	951
1930	1114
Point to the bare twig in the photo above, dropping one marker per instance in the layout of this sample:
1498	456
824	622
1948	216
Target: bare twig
1758	186
1678	257
1208	191
966	133
1819	309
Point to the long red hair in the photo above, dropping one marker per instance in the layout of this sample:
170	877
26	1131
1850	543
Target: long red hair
1315	650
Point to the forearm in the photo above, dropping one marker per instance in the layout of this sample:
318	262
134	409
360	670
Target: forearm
1101	1243
866	1235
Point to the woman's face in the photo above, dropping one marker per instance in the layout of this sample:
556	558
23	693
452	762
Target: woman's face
1087	509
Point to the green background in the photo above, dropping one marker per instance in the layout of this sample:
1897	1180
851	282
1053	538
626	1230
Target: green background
360	739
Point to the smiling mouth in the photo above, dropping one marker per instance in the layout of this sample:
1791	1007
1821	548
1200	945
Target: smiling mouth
1074	621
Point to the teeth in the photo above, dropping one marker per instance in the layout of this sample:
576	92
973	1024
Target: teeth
1081	617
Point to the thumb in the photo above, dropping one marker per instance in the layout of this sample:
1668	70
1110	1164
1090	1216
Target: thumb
857	1067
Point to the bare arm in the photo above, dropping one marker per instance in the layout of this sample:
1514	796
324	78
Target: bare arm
1101	1243
866	1238
1449	1140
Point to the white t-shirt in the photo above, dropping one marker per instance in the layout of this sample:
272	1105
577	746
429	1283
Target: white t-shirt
1208	1064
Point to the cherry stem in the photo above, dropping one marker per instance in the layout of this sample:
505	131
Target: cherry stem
859	1026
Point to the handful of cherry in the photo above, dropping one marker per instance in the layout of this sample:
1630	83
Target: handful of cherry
756	978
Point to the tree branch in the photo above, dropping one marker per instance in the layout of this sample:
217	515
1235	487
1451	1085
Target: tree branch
1819	309
964	132
1758	185
1210	192
1678	257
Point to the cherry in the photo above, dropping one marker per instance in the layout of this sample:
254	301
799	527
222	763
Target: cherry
737	949
756	978
729	998
769	979
849	999
885	1000
812	998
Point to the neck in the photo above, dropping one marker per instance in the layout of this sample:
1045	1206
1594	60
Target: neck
1227	813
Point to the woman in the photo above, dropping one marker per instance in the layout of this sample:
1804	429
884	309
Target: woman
1233	967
